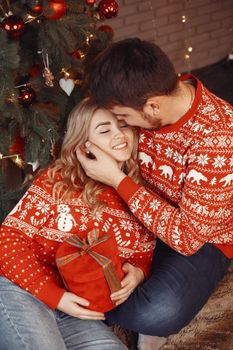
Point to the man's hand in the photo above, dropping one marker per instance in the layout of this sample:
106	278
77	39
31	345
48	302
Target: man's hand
134	277
103	169
70	304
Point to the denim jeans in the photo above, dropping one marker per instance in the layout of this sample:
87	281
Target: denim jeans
28	324
178	288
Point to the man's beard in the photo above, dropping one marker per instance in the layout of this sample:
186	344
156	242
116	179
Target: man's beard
155	123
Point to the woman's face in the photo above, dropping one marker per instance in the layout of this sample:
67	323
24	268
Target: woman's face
113	136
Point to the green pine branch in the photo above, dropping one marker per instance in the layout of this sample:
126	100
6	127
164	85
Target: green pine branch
42	122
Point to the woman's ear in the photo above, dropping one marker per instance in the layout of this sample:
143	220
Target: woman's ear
88	153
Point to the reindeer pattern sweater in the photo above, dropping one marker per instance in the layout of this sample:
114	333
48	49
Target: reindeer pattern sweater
188	168
31	234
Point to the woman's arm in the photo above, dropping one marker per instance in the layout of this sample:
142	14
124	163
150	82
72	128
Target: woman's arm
18	251
135	244
143	254
133	277
76	306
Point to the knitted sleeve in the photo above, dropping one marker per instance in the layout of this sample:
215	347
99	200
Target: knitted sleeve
18	250
142	257
135	243
204	212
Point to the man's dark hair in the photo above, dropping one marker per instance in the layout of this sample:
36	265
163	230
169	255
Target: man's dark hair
128	72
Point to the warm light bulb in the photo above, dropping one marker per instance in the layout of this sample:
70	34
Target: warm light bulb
66	73
19	161
183	19
81	54
30	18
190	49
88	38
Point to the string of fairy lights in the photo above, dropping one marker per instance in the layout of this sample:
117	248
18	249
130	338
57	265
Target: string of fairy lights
188	49
185	20
153	21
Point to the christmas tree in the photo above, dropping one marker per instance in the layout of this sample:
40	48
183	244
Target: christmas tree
44	48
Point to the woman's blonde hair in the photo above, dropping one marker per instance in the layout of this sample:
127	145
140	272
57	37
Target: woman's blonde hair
72	176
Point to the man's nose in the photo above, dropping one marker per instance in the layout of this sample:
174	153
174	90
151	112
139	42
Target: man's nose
119	117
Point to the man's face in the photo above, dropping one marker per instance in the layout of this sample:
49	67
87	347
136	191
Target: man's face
134	117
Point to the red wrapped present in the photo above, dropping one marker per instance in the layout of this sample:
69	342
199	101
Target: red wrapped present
91	268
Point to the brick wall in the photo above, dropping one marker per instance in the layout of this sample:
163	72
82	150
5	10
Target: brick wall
208	29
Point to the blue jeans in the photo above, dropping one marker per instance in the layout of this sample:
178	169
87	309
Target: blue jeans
28	324
178	288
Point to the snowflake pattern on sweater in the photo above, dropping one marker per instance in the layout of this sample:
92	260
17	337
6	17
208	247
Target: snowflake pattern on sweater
37	226
188	167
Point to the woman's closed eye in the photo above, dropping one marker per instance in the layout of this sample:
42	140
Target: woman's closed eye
104	131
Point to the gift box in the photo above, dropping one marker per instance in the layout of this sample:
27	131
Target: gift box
91	268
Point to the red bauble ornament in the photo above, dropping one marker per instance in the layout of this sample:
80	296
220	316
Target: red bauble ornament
13	25
106	29
36	70
55	9
108	8
90	2
37	8
27	96
33	72
17	146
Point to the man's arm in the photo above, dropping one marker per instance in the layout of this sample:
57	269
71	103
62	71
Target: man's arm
203	212
103	169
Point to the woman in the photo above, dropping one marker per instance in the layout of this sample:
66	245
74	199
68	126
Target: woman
36	308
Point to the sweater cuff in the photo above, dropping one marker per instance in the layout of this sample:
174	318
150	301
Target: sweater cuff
51	295
127	188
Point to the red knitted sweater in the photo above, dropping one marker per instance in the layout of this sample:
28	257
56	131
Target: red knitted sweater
188	168
31	234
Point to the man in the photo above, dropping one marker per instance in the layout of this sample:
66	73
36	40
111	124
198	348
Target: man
186	159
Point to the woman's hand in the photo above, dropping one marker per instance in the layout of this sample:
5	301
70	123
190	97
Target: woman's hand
71	305
134	277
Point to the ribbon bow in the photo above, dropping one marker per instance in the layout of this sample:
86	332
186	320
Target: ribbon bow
86	246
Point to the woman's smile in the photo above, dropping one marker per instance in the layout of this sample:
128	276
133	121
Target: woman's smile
113	136
121	146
